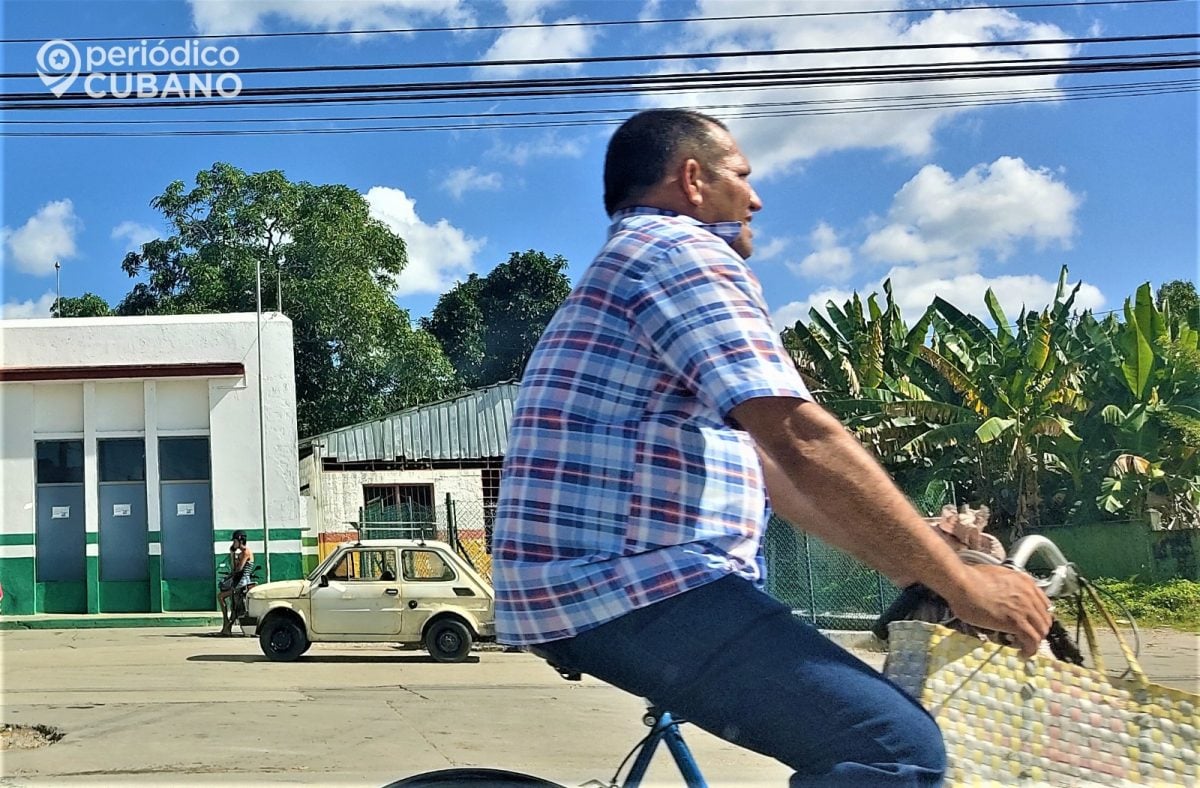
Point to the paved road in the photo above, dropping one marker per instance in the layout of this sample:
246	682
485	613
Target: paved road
179	707
173	706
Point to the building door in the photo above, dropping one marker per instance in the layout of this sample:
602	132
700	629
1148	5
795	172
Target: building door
188	568
61	541
124	551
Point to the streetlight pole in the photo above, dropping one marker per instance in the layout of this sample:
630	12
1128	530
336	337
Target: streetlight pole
58	288
262	438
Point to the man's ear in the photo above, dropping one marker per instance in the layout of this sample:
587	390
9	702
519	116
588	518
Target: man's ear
692	181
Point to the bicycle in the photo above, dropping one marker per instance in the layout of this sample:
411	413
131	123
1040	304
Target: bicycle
664	729
1061	583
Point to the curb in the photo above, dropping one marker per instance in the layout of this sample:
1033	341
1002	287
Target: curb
855	640
859	640
103	621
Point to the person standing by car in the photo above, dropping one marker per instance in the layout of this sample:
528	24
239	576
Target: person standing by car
655	415
241	564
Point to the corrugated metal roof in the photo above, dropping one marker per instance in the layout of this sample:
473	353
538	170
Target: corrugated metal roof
473	425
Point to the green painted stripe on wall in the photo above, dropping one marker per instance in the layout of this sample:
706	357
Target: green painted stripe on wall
11	539
20	592
93	537
256	534
287	533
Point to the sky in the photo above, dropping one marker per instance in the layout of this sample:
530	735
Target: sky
943	193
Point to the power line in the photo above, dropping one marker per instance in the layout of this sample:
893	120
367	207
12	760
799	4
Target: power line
986	97
594	23
670	56
1185	86
617	85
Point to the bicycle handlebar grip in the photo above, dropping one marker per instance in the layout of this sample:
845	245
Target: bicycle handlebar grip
901	608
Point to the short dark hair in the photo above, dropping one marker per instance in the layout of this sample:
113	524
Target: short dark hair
239	536
642	148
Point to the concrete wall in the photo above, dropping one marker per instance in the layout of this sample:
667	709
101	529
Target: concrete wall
224	409
337	495
1127	550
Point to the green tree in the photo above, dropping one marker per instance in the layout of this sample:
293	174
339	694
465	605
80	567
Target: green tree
323	258
488	326
458	325
1180	297
86	305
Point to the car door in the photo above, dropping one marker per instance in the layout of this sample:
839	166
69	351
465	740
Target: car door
433	583
359	595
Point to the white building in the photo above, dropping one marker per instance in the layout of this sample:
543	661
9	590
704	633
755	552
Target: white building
130	452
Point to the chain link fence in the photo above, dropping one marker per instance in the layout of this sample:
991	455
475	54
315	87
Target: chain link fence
470	538
822	584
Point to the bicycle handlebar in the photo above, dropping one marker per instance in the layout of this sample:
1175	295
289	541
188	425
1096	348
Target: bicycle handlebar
1062	581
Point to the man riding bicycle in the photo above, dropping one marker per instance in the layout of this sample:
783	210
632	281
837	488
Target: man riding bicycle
656	416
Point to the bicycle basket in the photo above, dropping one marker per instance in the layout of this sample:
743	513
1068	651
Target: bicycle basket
1007	719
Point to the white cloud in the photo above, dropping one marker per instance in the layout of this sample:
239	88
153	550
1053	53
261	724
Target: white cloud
547	145
914	290
438	253
775	145
828	260
937	218
771	249
939	232
787	315
470	179
242	16
537	43
134	234
41	307
651	10
47	236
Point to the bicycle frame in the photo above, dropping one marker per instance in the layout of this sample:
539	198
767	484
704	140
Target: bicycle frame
665	729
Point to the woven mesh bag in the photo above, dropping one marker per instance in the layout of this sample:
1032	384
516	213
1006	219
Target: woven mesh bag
1008	720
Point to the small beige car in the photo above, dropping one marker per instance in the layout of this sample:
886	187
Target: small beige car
396	590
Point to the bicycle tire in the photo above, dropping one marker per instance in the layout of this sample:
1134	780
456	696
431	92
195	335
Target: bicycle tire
472	778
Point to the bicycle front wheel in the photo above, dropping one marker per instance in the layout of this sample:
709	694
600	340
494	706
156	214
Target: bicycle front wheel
472	778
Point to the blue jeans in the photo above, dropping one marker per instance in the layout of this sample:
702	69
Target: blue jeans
736	662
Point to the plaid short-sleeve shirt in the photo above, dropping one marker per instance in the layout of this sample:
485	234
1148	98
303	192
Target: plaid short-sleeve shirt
624	482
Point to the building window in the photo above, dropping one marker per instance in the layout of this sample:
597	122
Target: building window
490	477
183	459
121	459
398	511
60	462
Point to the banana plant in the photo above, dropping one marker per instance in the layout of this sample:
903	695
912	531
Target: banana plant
1149	423
1003	401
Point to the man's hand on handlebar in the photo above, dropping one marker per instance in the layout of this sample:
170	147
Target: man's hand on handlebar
1002	599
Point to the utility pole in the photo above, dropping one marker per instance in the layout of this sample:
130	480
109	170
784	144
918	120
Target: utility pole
58	288
262	438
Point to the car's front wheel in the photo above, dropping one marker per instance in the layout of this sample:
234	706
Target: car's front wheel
448	640
282	639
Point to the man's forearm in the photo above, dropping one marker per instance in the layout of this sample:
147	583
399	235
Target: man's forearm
821	479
